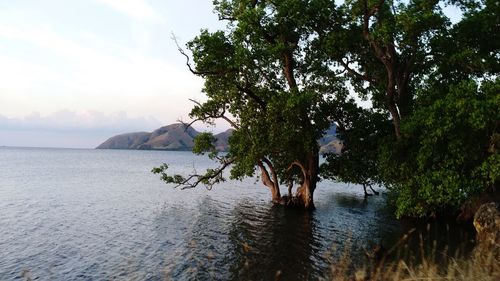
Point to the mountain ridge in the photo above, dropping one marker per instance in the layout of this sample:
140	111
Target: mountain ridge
180	137
176	136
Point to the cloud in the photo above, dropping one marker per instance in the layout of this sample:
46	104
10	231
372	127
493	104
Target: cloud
71	129
81	75
138	9
66	120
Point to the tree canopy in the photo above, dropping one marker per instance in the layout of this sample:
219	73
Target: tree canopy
439	83
262	77
283	71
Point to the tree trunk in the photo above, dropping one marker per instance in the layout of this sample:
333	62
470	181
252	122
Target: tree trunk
396	120
288	70
310	178
305	195
266	180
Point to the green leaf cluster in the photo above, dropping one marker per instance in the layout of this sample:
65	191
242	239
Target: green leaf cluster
449	113
283	71
449	153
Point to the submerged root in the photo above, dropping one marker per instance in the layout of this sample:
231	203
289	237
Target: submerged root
292	202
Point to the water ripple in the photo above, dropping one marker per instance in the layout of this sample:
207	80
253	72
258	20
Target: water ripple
100	215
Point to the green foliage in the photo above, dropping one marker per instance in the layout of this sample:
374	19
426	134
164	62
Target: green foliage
204	143
446	157
161	170
361	134
282	72
402	31
449	104
471	47
262	78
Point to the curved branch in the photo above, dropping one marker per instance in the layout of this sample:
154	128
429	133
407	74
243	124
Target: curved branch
266	180
188	63
355	73
209	179
214	116
273	172
300	165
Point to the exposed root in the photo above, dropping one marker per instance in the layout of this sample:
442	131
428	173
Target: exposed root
292	202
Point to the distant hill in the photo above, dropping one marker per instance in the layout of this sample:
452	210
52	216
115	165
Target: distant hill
329	143
172	137
334	146
329	136
222	143
178	136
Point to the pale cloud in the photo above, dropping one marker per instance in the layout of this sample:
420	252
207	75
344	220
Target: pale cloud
62	58
74	129
138	9
67	120
16	74
93	77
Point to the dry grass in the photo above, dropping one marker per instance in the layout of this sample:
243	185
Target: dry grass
483	263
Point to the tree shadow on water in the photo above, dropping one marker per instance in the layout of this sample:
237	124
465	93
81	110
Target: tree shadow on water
272	243
254	240
244	241
351	201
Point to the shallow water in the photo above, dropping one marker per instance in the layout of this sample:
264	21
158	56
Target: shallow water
69	214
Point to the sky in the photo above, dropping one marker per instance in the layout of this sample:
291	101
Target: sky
75	72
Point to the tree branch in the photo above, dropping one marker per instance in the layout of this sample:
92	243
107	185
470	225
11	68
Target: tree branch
186	184
273	172
214	116
211	177
266	180
355	73
289	69
253	96
366	29
188	63
298	164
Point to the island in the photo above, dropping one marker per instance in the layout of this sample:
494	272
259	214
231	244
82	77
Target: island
180	137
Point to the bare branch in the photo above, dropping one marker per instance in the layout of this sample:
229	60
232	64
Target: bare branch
214	115
187	125
188	62
189	183
355	73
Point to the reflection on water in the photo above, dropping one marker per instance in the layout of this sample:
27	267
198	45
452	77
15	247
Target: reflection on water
245	242
274	241
100	215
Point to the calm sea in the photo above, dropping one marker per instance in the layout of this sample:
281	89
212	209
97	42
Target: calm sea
74	214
